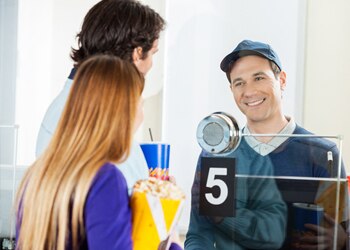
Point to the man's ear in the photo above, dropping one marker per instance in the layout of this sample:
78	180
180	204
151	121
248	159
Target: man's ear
283	80
137	54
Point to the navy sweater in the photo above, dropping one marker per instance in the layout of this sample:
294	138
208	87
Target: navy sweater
262	219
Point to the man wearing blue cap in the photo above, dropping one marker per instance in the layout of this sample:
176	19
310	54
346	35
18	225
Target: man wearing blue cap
257	82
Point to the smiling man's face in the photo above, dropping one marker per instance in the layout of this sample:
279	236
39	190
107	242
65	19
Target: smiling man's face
256	90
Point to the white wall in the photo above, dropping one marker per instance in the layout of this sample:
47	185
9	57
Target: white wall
327	79
8	71
195	85
46	31
8	60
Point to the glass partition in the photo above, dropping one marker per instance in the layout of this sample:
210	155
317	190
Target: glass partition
291	193
8	183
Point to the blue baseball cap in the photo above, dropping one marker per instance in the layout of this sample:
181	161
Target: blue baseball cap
247	47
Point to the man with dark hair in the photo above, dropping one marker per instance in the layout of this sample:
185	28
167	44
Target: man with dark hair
124	28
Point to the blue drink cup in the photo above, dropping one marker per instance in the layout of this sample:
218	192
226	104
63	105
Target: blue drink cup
157	156
305	214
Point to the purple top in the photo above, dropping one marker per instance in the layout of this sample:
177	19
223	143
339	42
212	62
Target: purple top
107	214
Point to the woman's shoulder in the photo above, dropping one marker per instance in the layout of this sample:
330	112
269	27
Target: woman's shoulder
108	177
109	170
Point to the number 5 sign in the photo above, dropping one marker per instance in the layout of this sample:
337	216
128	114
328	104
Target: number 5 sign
217	187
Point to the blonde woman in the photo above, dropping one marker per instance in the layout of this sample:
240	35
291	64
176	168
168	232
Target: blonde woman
73	196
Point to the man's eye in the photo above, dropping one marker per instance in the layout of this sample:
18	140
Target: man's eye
237	84
258	78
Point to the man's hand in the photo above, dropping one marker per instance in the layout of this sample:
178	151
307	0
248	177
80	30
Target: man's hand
324	236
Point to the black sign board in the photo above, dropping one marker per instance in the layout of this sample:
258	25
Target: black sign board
217	187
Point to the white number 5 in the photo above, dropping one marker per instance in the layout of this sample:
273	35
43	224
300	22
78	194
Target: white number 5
211	182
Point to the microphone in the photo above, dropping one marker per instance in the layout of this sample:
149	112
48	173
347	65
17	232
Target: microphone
218	133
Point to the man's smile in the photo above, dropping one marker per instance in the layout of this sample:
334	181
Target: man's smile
255	102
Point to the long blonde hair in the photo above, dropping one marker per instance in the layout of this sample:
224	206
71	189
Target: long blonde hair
96	127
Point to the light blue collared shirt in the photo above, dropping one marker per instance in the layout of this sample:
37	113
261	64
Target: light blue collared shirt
266	148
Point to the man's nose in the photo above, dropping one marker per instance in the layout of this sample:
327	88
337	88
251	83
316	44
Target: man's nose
250	89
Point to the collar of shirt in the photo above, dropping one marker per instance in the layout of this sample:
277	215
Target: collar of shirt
266	148
72	73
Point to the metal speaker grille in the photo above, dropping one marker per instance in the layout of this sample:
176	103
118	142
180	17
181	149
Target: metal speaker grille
213	134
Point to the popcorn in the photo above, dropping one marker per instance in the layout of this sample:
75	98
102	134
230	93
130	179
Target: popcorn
159	188
156	207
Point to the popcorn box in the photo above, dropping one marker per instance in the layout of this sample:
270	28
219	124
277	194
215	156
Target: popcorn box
156	207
